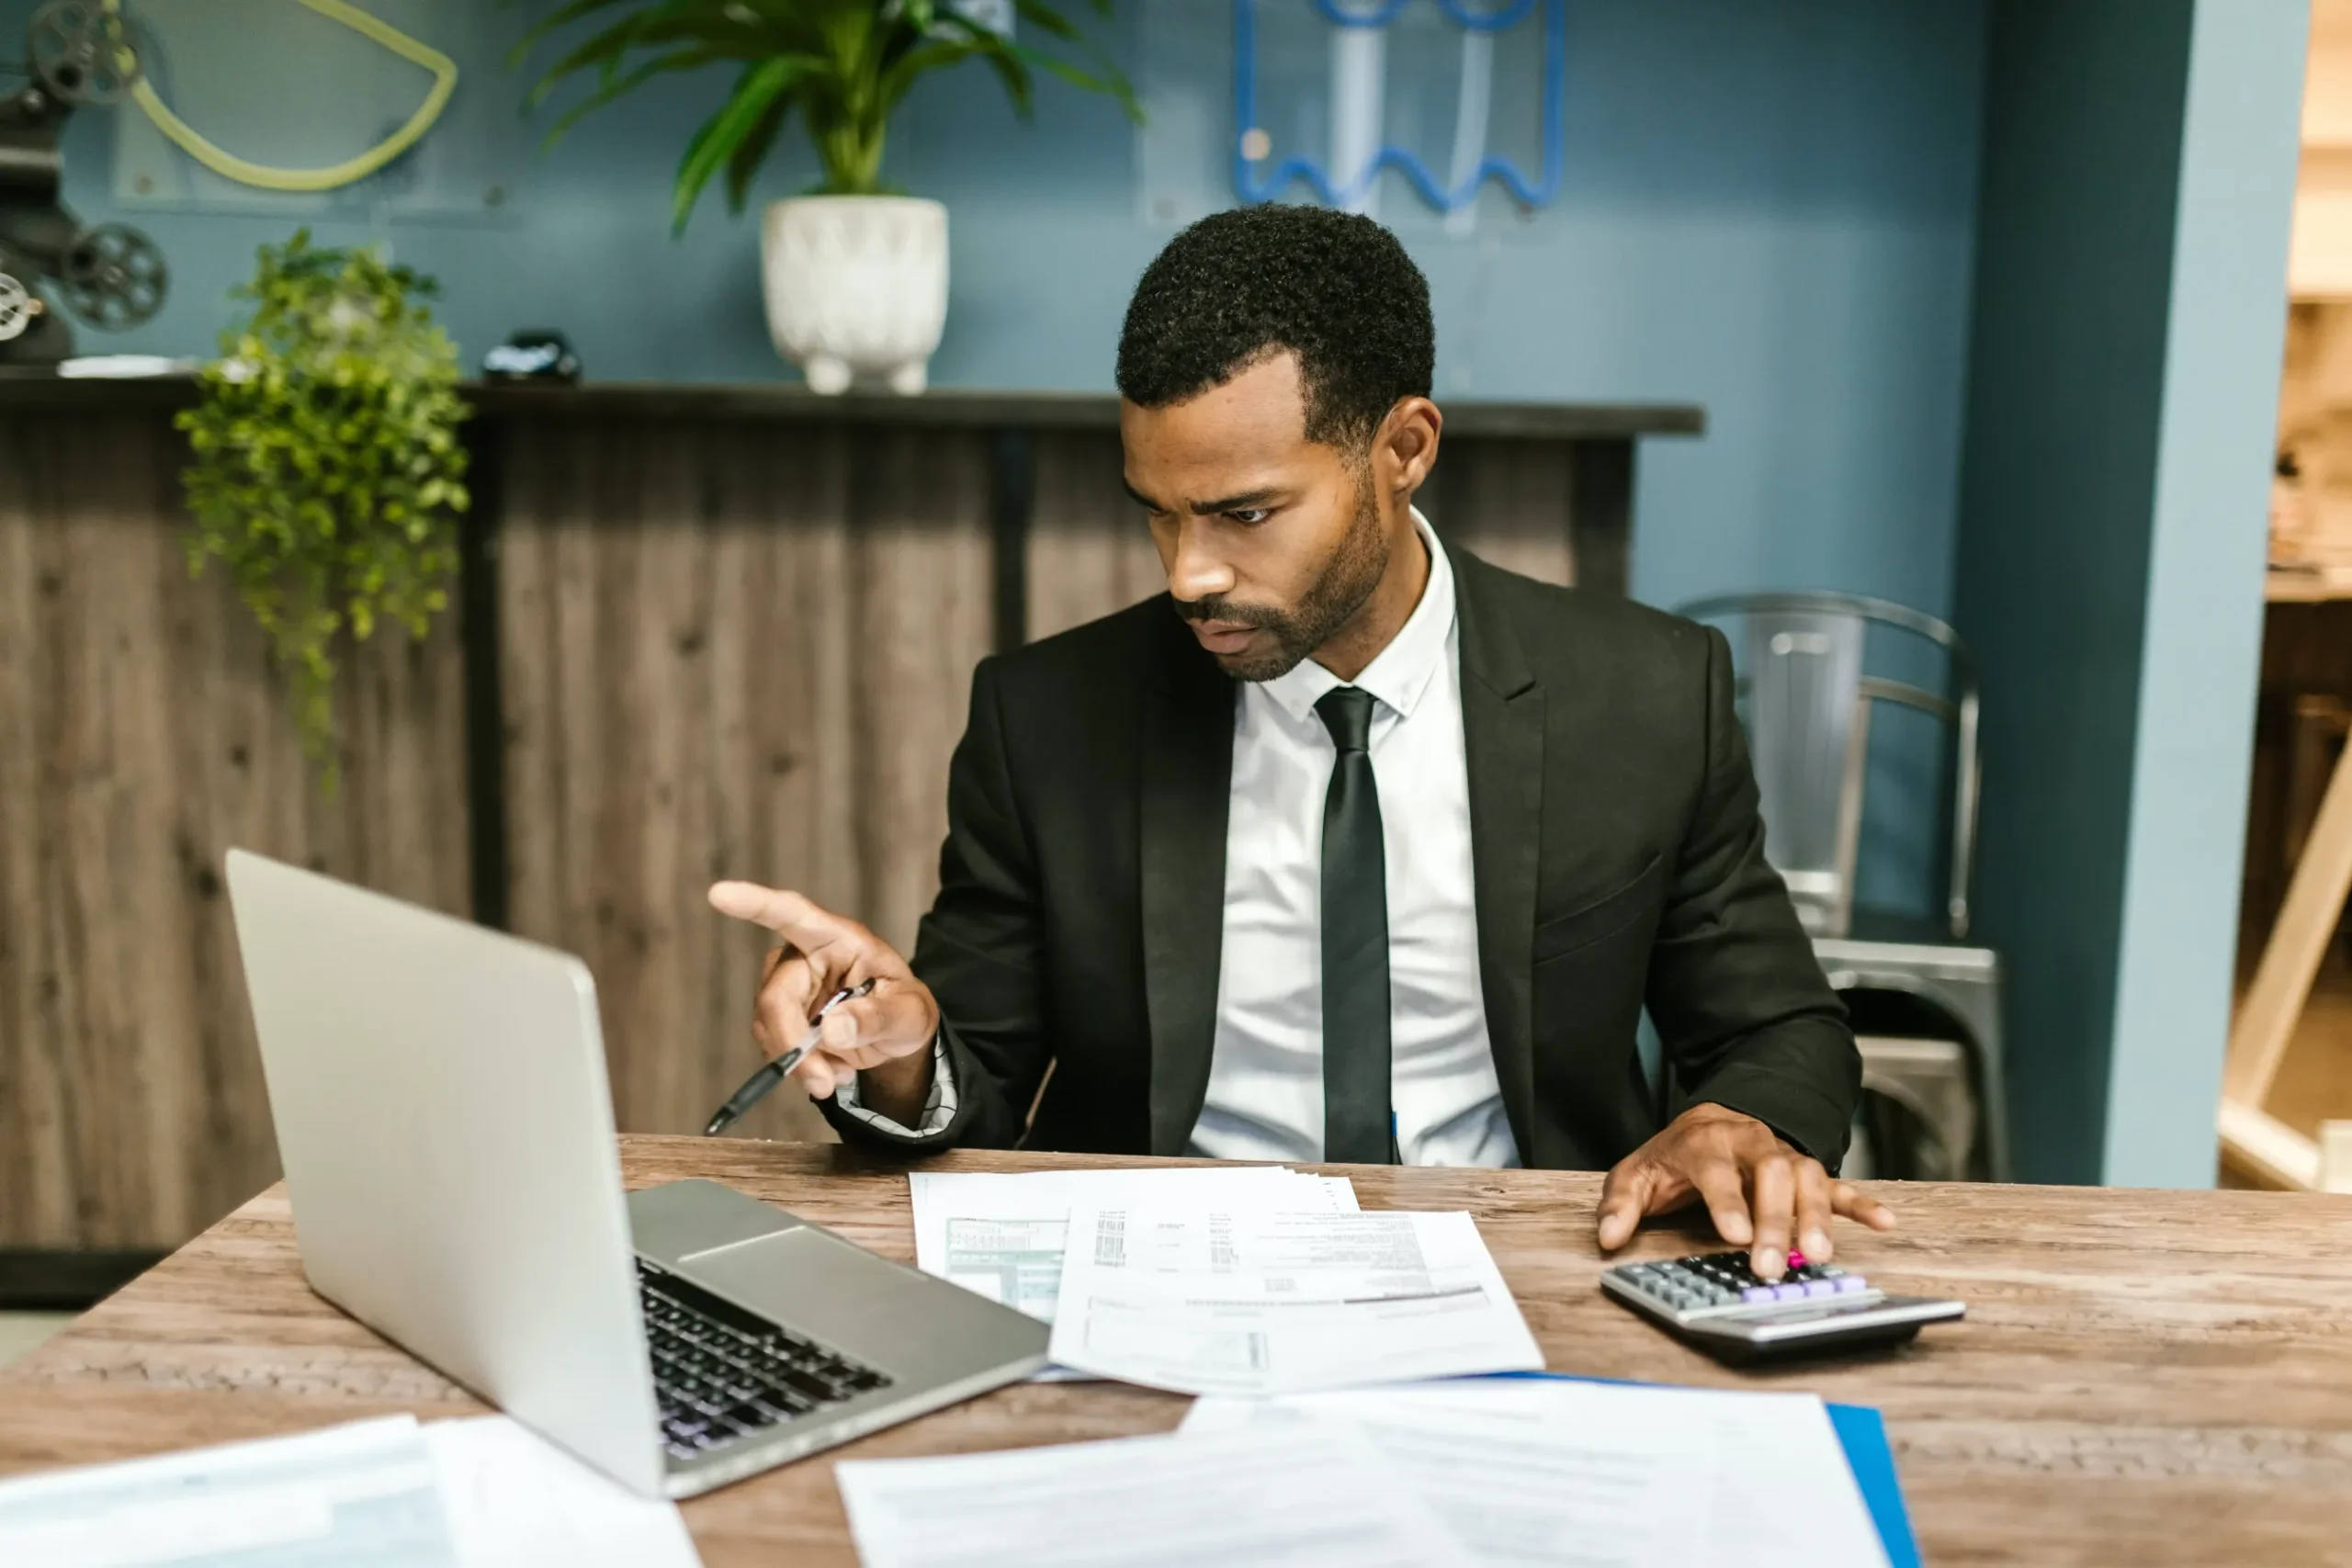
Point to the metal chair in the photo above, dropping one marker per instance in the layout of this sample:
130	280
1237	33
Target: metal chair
1807	697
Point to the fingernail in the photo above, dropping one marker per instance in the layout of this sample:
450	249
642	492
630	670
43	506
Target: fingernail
1769	1264
1815	1244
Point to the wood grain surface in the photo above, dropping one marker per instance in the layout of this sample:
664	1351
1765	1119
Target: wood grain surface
1090	550
1508	503
141	734
2144	1378
728	652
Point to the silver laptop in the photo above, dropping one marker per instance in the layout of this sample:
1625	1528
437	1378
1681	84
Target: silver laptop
442	1112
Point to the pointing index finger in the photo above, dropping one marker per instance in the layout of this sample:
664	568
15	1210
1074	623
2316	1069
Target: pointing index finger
787	914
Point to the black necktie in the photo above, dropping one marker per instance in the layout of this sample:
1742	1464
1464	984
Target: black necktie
1356	1124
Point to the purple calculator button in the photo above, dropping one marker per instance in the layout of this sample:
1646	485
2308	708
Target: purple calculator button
1789	1292
1757	1293
1847	1283
1821	1287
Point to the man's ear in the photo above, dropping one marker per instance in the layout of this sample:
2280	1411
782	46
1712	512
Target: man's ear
1404	446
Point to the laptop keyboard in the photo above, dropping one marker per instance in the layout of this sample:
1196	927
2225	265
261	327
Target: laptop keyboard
721	1372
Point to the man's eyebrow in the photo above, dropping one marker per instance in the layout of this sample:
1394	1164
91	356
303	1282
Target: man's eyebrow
1242	502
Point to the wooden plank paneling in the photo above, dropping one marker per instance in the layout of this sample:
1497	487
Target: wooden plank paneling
729	650
1089	553
1508	501
141	734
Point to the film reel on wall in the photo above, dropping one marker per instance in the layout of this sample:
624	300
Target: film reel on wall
78	53
114	277
19	306
77	50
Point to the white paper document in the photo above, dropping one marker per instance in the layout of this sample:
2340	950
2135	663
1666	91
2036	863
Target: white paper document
362	1494
516	1501
1527	1473
1001	1235
1236	1500
1257	1302
383	1493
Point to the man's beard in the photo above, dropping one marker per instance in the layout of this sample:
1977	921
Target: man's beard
1347	580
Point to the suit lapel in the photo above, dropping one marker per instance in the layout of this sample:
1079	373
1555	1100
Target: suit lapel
1502	737
1187	757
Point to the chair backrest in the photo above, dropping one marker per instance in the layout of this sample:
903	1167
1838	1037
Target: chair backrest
1806	695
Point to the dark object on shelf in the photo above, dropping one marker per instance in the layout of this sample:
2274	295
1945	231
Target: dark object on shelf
111	275
535	353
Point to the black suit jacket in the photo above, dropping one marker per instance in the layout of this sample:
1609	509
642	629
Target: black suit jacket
1616	850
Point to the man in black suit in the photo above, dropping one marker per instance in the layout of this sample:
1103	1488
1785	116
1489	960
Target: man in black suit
1351	846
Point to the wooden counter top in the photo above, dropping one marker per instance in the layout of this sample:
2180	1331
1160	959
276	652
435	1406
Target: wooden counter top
950	408
2144	1378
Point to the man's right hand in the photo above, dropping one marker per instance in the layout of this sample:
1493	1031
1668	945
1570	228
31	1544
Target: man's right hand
885	1035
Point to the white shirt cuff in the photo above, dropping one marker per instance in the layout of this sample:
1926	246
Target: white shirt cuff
938	1109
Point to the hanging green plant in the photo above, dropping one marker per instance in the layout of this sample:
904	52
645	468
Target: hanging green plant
328	473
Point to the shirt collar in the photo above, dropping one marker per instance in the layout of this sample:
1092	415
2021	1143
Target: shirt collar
1400	673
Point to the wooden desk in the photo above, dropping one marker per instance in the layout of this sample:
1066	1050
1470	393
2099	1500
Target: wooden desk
2144	1378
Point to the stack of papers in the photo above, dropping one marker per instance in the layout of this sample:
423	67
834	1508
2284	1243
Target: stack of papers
1240	1302
1310	1331
1226	1280
1489	1473
390	1493
1630	1473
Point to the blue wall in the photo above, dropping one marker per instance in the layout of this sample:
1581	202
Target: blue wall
1767	211
2241	143
2138	167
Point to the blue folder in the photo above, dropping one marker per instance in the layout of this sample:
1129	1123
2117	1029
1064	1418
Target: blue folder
1861	1432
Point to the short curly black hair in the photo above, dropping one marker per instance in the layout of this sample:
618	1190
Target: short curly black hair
1335	288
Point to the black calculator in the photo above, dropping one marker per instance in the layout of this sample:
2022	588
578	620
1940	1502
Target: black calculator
1716	1302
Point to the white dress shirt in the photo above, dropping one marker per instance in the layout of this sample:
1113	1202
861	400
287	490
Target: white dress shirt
1265	1091
1265	1096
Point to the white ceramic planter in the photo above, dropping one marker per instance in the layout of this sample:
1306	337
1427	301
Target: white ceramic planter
856	287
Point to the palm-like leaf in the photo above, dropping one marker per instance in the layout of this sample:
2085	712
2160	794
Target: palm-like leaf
762	88
842	65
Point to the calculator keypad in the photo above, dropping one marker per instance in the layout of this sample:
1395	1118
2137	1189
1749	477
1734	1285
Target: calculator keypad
1721	1282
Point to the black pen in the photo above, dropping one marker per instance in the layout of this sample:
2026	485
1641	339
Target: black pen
755	1088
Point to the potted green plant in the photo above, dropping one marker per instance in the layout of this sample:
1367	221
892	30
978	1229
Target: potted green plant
326	469
855	274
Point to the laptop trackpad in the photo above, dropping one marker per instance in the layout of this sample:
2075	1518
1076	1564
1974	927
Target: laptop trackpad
681	1219
823	1286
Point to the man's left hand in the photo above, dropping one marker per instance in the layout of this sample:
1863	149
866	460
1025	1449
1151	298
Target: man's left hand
1759	1190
